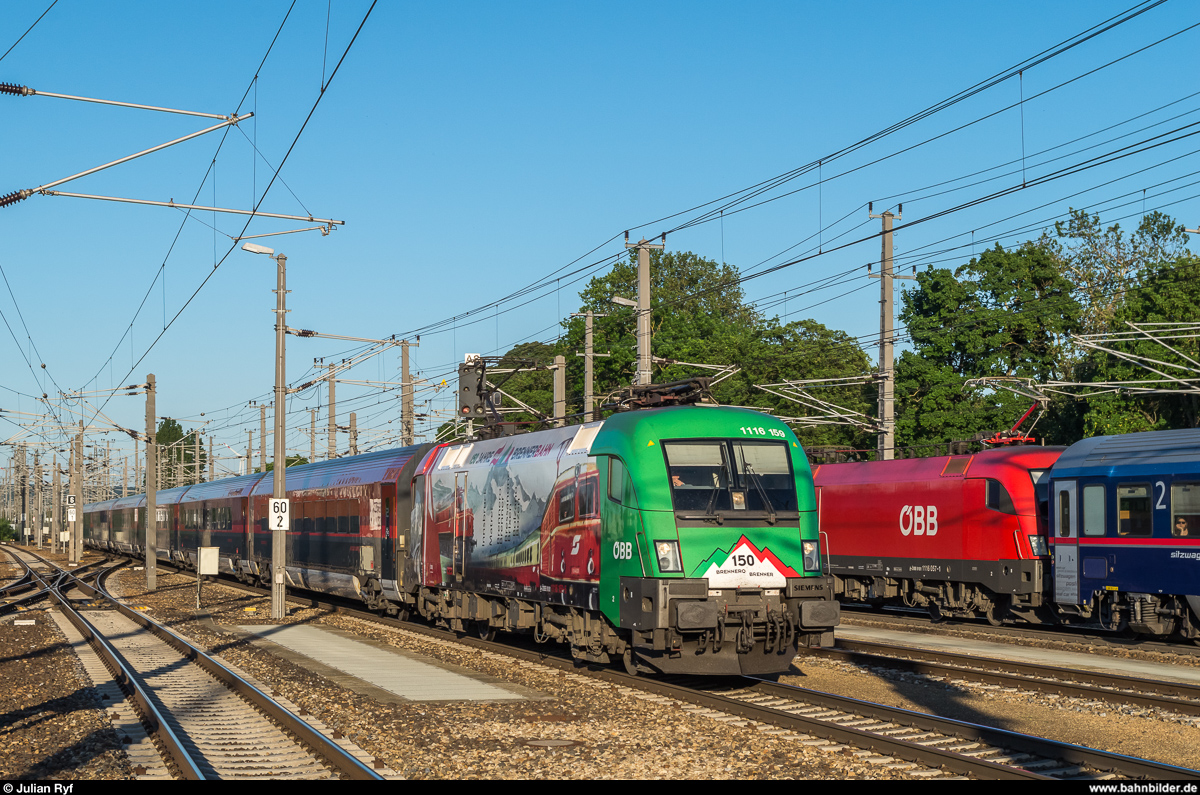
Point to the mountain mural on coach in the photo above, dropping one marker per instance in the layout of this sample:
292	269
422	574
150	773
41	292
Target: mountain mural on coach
516	516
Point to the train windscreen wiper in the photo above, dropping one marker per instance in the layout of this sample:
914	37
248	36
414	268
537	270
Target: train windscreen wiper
712	499
756	479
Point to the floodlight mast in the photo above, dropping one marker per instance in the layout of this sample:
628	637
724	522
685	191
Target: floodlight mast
279	484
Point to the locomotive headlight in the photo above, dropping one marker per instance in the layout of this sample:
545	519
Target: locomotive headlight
1038	545
812	555
669	559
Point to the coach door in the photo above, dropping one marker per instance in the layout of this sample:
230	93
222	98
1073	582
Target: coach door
460	525
1066	542
389	538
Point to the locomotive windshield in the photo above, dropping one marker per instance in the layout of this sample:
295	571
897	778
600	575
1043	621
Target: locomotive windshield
1041	490
730	475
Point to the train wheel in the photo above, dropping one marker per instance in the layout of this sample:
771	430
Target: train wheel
997	612
935	612
630	661
485	631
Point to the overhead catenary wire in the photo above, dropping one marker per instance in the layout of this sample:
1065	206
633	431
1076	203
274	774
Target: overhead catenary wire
203	181
757	189
27	30
265	192
538	299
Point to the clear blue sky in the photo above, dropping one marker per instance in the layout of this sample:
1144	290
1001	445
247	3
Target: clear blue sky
474	148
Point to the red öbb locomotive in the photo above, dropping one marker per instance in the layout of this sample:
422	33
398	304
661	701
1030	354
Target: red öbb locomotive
961	535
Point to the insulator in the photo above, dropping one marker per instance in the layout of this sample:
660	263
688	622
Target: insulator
13	198
15	90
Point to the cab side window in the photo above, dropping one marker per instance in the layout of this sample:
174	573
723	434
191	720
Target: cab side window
620	487
998	498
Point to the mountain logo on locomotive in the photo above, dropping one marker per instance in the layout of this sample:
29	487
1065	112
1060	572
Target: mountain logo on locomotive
745	566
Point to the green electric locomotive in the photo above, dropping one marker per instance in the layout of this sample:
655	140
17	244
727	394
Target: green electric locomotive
680	540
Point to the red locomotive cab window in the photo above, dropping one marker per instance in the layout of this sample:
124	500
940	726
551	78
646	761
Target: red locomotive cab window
998	498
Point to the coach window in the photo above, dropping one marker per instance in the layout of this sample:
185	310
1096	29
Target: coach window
1093	510
1185	509
1133	510
1064	514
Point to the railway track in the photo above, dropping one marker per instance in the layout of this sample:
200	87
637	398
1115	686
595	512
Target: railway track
1176	697
926	746
209	723
918	621
950	745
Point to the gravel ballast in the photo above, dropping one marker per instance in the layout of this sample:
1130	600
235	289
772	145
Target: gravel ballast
602	731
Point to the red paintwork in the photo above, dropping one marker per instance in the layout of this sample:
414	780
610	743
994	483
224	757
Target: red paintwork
429	554
564	560
860	506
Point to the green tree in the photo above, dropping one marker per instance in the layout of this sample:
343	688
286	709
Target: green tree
169	431
533	384
699	315
1168	292
805	349
1104	263
1004	314
1143	277
697	308
292	461
7	531
173	450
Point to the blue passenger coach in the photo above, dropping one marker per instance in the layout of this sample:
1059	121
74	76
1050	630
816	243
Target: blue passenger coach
1125	530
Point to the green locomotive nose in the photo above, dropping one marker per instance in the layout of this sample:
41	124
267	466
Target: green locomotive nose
709	540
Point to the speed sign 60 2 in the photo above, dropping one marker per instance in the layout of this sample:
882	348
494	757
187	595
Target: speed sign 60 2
279	514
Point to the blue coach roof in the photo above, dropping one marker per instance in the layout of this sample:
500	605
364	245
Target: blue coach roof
1152	448
349	471
224	488
365	468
